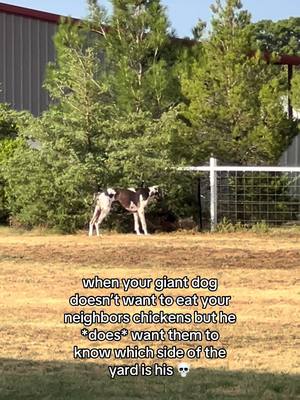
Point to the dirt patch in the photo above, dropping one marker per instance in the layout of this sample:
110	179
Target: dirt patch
147	255
39	274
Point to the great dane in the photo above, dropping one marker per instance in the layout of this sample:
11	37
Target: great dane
133	200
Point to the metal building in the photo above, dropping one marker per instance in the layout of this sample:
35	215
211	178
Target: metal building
26	47
291	157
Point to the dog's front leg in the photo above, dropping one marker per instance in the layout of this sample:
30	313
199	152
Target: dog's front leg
141	213
136	223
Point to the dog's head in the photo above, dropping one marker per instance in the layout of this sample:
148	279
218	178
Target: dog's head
154	192
110	192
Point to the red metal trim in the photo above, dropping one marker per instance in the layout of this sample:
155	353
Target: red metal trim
288	60
30	13
280	59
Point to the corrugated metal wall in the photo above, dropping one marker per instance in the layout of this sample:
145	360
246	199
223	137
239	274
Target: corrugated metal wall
291	157
25	48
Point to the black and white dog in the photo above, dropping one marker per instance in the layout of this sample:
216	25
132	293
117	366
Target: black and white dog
133	200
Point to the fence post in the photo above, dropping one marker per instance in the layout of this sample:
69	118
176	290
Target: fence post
213	193
200	205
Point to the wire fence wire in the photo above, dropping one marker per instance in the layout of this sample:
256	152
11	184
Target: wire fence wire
249	197
247	194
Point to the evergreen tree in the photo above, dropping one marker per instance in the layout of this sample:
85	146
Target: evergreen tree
140	76
235	100
11	122
77	118
144	88
110	122
67	161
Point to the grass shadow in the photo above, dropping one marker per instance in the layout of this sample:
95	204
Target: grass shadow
33	380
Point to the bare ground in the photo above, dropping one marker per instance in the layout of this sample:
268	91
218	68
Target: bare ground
38	274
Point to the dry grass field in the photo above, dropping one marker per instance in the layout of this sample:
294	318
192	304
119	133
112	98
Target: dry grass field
38	274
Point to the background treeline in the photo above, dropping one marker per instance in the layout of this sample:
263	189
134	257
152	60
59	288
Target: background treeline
130	102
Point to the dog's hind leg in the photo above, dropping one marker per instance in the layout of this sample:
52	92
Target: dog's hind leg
104	213
93	220
136	224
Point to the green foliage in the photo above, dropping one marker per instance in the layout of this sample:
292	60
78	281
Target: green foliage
78	117
111	121
282	36
226	226
296	91
124	110
50	190
260	227
10	123
253	197
147	138
198	30
7	147
235	108
140	73
52	185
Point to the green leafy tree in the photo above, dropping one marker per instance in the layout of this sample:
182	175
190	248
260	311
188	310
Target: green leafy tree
235	106
296	91
282	37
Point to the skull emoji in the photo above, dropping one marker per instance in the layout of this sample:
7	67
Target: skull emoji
183	369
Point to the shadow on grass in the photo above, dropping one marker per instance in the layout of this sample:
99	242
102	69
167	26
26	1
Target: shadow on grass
31	380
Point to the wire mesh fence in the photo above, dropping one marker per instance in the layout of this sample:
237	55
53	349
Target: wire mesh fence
249	194
250	197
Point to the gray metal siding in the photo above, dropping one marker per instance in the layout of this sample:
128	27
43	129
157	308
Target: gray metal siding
291	157
26	47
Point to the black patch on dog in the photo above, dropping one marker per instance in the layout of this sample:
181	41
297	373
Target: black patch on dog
127	197
110	195
144	192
